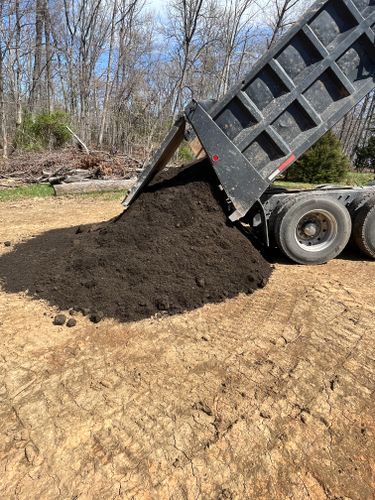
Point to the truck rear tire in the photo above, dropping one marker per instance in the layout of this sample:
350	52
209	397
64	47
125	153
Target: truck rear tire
312	229
364	227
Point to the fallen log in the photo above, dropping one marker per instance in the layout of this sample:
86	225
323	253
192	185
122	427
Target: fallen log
93	186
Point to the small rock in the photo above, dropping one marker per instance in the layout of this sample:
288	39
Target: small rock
79	230
71	322
262	283
59	320
25	435
7	243
96	317
303	418
30	453
200	406
84	310
265	414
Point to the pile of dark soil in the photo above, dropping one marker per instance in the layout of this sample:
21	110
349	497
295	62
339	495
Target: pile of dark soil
172	250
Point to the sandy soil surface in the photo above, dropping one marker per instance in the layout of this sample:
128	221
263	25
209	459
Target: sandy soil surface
262	396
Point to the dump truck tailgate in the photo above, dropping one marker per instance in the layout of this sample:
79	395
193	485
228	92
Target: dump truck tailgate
298	90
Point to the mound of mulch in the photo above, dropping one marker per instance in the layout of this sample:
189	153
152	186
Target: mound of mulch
173	250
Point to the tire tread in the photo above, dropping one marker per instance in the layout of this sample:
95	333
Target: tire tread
359	223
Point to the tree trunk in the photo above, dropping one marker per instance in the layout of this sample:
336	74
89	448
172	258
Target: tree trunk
109	70
18	73
3	125
47	35
93	186
35	94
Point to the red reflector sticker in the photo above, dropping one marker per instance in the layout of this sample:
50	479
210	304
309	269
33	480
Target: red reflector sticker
215	158
282	167
286	163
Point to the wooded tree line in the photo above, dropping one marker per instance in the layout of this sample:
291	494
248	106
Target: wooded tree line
358	127
120	70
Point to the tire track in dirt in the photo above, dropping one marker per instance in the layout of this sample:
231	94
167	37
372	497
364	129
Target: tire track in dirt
270	395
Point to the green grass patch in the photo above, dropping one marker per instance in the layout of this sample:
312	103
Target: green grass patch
27	191
44	191
359	178
352	179
294	185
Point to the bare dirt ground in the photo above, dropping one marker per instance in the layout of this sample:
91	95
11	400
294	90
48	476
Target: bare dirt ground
262	396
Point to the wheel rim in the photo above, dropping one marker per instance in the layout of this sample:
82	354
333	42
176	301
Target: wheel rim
316	230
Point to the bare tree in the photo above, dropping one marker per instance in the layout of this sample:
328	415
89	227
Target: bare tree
236	21
3	127
120	72
283	15
36	90
109	71
185	16
18	65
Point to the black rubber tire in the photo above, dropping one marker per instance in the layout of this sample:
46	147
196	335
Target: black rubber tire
359	201
364	227
285	222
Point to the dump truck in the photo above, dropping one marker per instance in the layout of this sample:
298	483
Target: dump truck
302	86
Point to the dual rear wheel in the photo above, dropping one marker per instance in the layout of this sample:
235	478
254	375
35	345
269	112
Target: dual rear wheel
363	214
315	229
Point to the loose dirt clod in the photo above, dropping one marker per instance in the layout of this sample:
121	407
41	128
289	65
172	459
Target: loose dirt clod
59	320
96	317
71	323
173	250
7	243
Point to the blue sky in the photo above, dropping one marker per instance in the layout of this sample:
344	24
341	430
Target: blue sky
156	4
159	6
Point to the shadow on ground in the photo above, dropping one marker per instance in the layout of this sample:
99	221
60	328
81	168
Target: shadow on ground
172	251
64	268
275	256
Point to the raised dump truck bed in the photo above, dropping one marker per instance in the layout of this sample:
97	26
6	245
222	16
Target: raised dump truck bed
297	91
